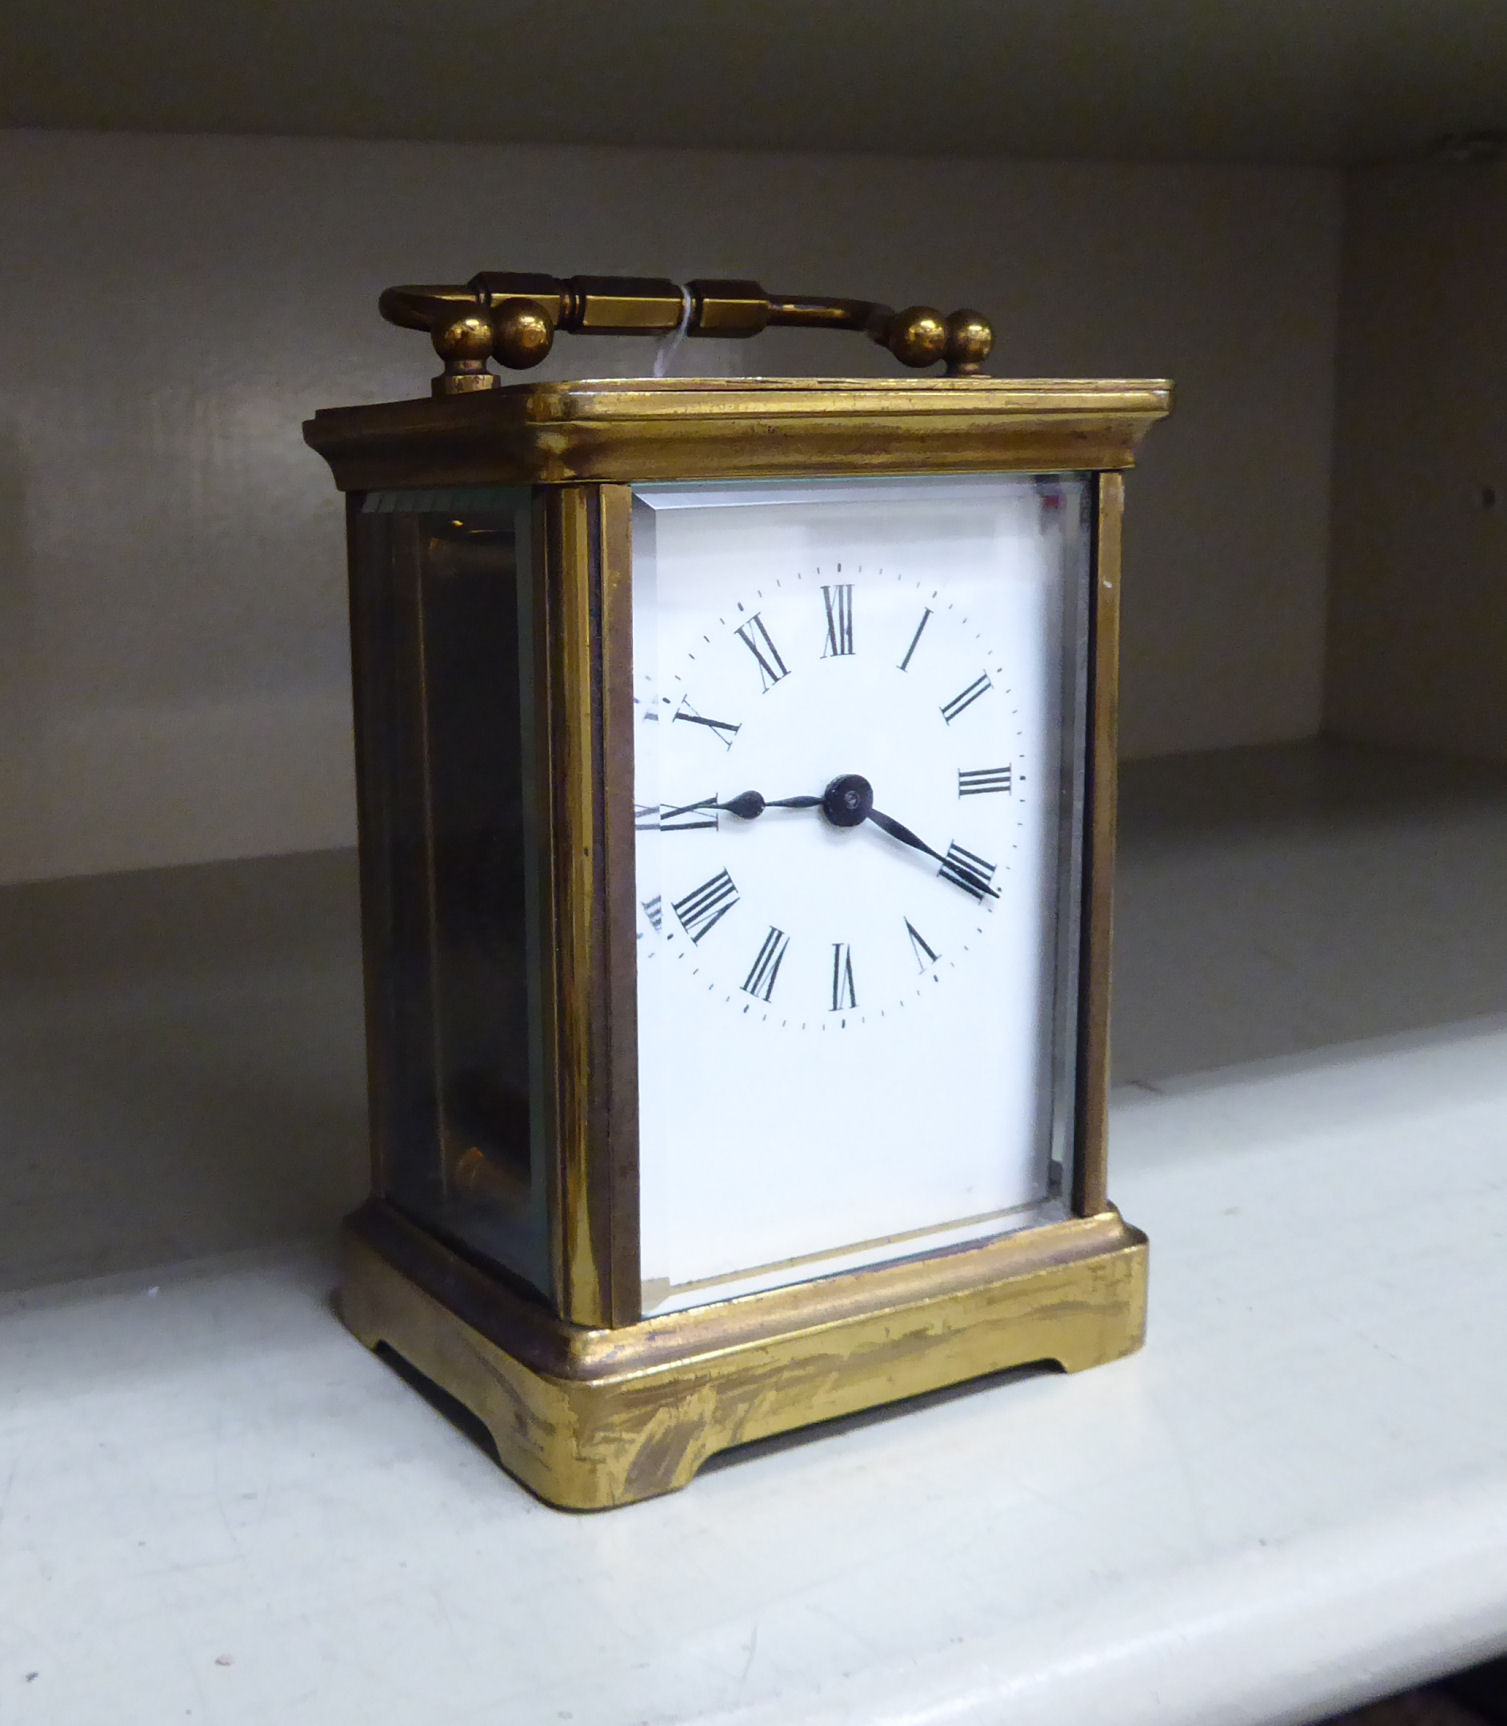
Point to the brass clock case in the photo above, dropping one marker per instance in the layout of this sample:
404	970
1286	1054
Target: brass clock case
587	1402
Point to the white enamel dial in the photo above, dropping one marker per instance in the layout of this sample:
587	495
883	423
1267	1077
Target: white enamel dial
850	702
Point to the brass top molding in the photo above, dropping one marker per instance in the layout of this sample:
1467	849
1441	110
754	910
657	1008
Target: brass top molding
725	428
512	319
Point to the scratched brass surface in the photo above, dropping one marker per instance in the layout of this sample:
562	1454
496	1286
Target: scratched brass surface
639	429
589	1418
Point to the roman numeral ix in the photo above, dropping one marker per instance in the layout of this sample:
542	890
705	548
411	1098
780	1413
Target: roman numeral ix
964	700
982	779
838	600
760	980
654	912
687	818
970	873
755	637
843	997
705	906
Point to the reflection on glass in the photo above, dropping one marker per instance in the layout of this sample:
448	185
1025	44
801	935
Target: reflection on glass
443	808
858	780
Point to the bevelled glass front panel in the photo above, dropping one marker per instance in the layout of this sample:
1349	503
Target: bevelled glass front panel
859	765
442	692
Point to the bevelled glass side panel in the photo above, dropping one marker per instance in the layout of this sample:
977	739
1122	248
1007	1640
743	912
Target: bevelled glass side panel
859	775
441	686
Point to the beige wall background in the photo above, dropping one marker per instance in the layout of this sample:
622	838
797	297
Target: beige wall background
173	670
1419	570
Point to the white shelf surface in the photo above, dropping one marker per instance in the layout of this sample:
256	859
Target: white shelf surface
215	1506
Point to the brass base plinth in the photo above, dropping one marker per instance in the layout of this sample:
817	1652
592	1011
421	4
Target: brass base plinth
591	1418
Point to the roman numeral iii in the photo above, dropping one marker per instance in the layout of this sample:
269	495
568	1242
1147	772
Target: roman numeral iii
755	637
843	997
982	779
838	600
704	907
966	698
760	980
971	873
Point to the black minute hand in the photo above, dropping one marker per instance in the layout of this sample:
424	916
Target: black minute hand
962	874
897	830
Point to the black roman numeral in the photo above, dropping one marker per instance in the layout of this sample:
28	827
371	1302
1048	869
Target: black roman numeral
905	663
970	873
667	818
918	947
838	600
755	637
654	911
843	997
760	980
966	699
705	906
688	817
723	730
983	779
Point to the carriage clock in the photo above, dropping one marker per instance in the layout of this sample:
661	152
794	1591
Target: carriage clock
736	767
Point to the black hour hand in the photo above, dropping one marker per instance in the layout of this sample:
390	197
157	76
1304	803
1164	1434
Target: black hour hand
749	805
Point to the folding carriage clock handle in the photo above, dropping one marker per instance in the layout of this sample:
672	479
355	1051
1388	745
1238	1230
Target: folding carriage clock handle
513	319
